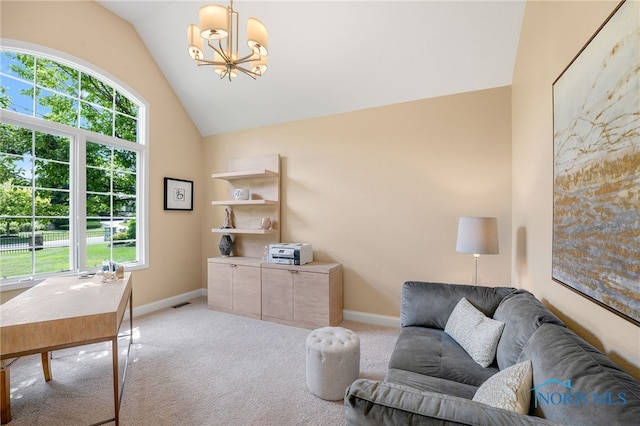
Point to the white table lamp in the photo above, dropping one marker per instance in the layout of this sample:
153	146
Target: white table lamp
477	235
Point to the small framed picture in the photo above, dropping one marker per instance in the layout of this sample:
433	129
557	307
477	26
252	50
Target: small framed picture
178	194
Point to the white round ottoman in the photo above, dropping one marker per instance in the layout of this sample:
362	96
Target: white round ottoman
333	361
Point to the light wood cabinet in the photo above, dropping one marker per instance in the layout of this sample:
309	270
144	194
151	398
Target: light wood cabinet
234	286
305	296
277	297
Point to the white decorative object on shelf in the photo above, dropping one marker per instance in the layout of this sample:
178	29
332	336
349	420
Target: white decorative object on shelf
242	194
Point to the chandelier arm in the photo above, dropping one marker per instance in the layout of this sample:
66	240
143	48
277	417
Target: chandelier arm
201	62
221	51
247	72
248	58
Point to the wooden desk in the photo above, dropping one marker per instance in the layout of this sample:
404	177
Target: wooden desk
60	313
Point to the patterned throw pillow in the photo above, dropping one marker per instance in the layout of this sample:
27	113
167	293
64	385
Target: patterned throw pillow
509	389
476	333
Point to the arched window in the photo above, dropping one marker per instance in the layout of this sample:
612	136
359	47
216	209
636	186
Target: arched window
73	170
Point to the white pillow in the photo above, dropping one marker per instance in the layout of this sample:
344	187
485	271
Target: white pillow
476	333
509	389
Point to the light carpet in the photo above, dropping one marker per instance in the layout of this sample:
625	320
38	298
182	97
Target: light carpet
191	366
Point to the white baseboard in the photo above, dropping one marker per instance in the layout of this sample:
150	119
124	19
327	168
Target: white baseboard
167	303
367	318
375	319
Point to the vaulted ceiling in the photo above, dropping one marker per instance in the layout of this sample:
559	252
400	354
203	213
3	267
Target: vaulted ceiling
329	57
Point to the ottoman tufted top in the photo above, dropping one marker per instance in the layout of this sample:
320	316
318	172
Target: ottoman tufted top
332	339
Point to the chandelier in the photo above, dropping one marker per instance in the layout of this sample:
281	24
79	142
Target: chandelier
219	27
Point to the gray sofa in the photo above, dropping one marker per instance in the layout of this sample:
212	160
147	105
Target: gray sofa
431	379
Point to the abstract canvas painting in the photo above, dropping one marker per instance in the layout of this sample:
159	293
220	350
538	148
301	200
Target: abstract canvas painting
596	183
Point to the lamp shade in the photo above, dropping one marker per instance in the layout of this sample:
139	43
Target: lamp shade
260	66
257	37
213	22
195	42
477	235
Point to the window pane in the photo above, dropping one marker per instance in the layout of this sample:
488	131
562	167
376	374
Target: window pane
17	65
15	170
98	155
126	252
14	140
125	160
53	254
51	203
124	183
124	207
125	106
57	108
17	96
126	128
98	205
52	259
96	92
15	201
58	77
15	262
98	252
96	119
51	174
52	147
98	180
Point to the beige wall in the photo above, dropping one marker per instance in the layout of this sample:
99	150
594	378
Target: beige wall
88	31
551	36
380	190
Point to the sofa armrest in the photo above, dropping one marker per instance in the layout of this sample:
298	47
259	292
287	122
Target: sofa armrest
369	402
425	304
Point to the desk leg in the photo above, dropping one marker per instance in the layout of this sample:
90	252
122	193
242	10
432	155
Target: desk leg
46	366
5	394
116	380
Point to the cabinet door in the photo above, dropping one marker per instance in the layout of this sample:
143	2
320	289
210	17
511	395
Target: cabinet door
277	294
311	298
246	290
220	281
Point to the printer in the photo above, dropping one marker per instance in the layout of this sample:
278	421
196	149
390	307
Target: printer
290	253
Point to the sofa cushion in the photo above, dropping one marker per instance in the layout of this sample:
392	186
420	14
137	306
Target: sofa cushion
522	314
374	403
474	331
574	383
510	389
429	383
433	352
430	304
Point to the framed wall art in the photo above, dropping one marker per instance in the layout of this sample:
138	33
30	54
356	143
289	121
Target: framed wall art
596	182
178	194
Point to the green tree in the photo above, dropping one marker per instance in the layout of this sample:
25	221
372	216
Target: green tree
71	97
17	203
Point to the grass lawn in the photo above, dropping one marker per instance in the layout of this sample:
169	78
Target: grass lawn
56	259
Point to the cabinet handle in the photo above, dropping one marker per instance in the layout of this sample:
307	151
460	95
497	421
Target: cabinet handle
293	271
233	265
